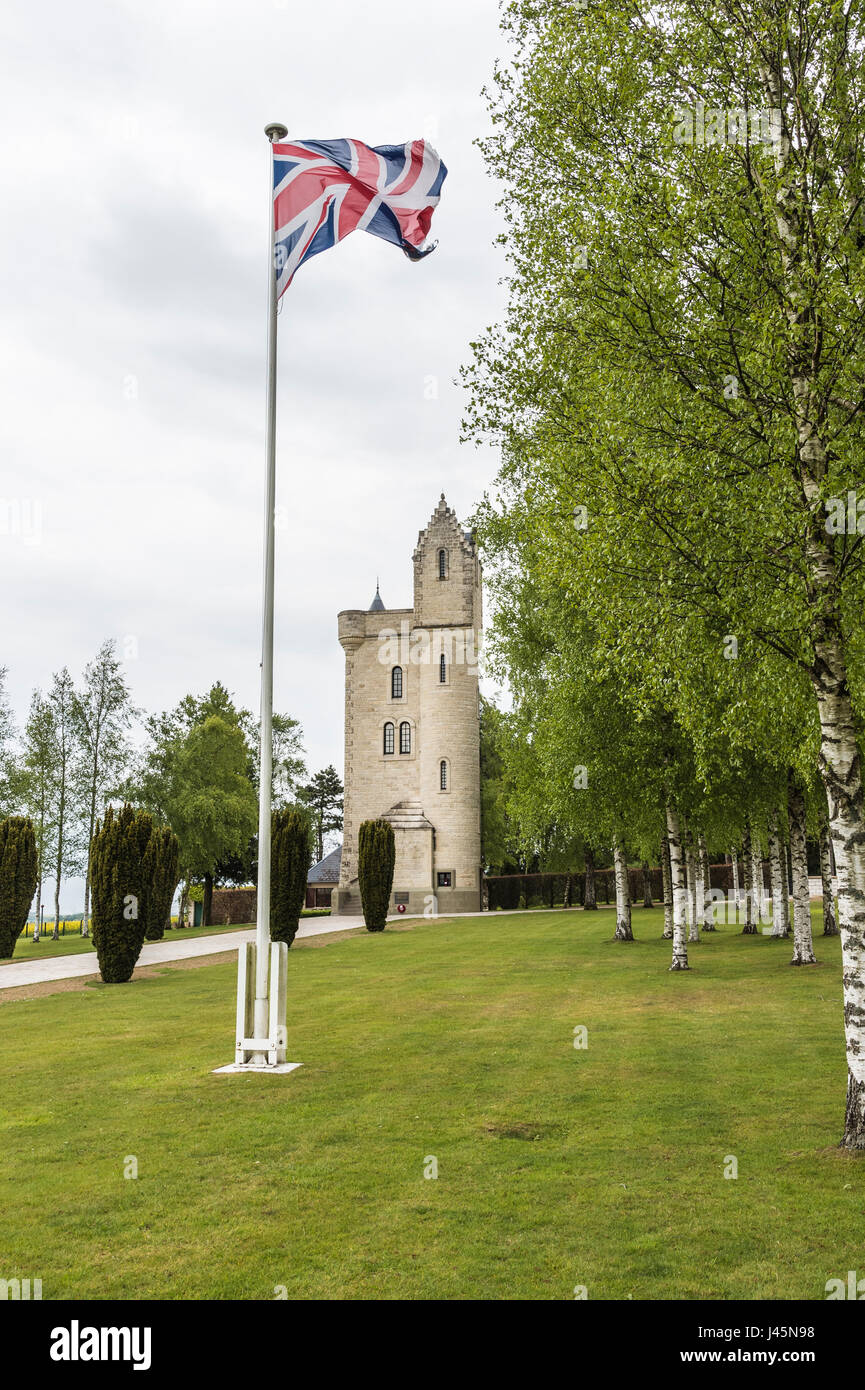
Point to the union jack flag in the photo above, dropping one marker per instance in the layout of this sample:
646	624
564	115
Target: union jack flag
324	189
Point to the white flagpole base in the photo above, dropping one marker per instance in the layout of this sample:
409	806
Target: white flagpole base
261	1054
247	1068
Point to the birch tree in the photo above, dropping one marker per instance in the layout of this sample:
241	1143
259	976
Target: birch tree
690	353
65	787
102	714
590	897
6	731
779	921
39	777
667	882
803	949
695	891
677	878
830	925
624	931
734	868
705	885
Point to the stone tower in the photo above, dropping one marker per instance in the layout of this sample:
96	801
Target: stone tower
412	752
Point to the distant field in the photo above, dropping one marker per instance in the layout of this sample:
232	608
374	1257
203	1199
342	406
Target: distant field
446	1044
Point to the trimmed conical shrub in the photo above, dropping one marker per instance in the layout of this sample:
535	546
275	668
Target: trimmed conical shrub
121	867
290	858
18	873
162	868
376	855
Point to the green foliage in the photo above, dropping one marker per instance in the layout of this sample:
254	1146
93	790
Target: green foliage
662	490
376	855
121	864
208	798
291	855
7	770
500	849
200	774
18	874
37	775
162	868
323	796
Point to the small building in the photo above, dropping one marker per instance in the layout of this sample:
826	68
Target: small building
323	878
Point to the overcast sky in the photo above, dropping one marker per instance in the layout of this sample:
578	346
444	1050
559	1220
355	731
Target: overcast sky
135	192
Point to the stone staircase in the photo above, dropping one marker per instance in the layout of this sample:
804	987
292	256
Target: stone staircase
352	906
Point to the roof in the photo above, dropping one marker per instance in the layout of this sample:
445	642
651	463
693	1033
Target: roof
327	871
408	815
377	606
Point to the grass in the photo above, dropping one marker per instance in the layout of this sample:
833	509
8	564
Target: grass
73	944
557	1167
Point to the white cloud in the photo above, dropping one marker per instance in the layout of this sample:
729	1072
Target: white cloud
132	265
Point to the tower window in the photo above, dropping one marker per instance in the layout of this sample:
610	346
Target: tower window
443	670
443	775
443	564
404	737
388	738
396	683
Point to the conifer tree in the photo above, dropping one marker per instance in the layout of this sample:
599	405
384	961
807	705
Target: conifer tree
290	858
121	864
163	870
18	873
376	855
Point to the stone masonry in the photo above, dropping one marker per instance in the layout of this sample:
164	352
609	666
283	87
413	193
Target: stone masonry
429	785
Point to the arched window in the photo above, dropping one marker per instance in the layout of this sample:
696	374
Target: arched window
388	738
443	670
443	775
443	564
396	683
405	737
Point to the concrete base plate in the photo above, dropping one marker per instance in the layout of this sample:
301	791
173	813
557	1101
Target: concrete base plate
248	1069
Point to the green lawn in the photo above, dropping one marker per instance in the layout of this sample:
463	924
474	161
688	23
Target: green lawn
557	1167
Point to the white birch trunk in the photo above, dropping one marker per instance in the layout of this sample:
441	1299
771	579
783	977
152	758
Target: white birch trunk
830	922
842	776
707	915
590	896
677	882
647	886
749	929
779	926
803	948
840	767
760	912
785	884
840	759
623	893
734	861
666	880
691	870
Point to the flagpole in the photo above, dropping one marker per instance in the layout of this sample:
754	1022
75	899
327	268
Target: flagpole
273	132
